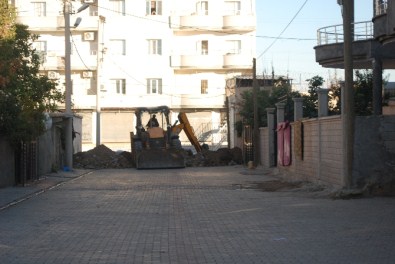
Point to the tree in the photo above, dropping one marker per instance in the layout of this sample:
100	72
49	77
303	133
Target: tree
7	18
246	107
281	92
335	98
310	101
363	92
24	94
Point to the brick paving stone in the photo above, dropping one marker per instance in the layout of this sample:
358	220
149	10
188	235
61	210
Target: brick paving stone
192	215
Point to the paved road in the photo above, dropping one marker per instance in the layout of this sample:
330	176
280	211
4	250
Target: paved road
193	215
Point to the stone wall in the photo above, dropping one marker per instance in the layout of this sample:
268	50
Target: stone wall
321	159
374	150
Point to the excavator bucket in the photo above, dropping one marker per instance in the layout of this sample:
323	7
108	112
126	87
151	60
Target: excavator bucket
160	159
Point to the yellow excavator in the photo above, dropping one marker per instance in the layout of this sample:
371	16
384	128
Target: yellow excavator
158	145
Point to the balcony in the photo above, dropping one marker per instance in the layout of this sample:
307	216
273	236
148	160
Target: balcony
239	23
196	22
213	22
197	61
186	101
57	63
217	61
237	61
201	101
330	47
43	23
53	23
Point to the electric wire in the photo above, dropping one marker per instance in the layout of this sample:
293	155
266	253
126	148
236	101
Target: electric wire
78	53
286	27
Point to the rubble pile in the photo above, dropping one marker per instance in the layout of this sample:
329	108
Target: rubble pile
221	157
102	157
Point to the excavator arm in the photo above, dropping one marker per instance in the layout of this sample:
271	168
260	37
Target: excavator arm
186	126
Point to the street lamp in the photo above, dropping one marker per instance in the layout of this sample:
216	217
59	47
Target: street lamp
100	54
69	115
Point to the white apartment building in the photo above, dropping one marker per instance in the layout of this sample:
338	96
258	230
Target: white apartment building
138	53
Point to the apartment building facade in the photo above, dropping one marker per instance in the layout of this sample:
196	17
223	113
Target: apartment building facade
128	54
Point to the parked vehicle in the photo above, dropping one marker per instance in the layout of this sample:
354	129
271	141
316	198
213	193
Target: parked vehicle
156	145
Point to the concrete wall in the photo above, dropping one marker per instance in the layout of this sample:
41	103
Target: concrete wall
50	151
374	148
264	152
321	161
7	163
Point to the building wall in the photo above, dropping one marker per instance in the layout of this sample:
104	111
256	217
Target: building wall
96	61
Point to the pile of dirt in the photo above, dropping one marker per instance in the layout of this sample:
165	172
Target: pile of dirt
102	157
221	157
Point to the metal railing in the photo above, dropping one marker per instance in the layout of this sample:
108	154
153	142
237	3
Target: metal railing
334	34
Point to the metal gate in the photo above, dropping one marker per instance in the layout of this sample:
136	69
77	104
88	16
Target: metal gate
26	163
248	144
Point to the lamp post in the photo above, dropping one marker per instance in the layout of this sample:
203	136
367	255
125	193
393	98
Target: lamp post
69	114
100	54
67	71
347	94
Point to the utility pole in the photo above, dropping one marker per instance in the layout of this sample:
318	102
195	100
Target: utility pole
69	114
347	93
256	118
100	56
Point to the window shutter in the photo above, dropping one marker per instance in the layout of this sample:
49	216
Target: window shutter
159	46
159	86
148	86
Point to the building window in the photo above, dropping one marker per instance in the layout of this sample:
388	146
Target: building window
204	86
202	8
118	6
232	7
118	46
39	9
41	49
154	8
119	86
154	86
233	46
155	46
202	47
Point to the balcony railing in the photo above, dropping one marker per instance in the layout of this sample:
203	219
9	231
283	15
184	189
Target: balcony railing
334	34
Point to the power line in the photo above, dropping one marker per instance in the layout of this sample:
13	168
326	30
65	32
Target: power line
286	27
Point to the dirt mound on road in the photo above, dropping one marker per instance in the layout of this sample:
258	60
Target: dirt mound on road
102	157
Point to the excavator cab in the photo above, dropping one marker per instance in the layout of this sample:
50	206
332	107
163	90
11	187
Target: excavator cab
155	145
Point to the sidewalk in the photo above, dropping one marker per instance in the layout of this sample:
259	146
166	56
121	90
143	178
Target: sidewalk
10	196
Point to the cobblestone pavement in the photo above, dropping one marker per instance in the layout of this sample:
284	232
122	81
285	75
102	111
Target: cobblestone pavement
192	215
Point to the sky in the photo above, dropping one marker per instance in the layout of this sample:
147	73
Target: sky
293	53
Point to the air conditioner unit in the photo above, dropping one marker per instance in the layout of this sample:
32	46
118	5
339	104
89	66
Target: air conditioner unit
87	74
53	75
89	1
89	36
